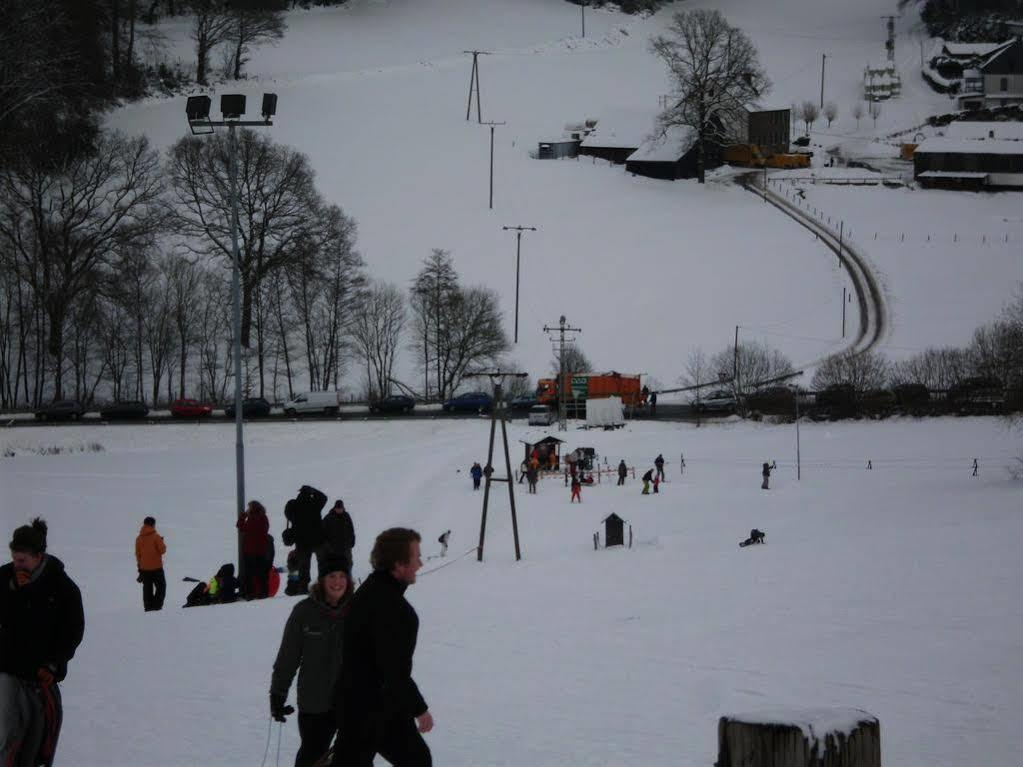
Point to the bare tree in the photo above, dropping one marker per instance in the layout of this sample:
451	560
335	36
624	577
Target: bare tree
866	371
432	293
875	111
254	26
857	112
808	113
576	361
753	365
830	112
64	223
377	334
183	280
939	369
212	24
997	351
472	335
715	72
697	373
277	207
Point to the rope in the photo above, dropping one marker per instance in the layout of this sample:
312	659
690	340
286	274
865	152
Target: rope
451	562
280	729
266	750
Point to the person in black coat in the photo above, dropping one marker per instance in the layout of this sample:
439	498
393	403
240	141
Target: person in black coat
380	708
41	625
303	513
339	534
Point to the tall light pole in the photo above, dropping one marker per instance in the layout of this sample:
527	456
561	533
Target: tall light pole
518	253
492	124
582	11
232	107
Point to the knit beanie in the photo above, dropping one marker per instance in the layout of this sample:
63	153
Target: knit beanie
31	538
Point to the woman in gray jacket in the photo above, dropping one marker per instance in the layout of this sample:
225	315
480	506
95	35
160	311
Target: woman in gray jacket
312	646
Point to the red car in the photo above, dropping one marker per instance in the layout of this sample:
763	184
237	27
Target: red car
189	408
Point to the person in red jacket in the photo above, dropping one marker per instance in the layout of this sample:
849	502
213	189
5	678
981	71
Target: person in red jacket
254	527
149	551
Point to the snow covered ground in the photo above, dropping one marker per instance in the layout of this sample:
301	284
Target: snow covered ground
893	590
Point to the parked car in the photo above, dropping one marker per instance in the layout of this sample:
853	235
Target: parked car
523	404
61	410
313	402
801	141
470	402
395	403
123	411
252	407
189	408
720	401
541	415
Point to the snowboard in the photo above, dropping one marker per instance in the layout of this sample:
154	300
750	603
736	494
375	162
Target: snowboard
748	542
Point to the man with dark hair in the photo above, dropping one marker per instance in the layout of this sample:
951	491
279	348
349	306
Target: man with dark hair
380	708
149	551
41	626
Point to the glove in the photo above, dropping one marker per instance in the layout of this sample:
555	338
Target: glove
45	676
278	710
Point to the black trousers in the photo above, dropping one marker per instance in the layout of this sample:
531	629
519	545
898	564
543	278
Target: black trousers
621	480
256	573
399	742
154	589
316	732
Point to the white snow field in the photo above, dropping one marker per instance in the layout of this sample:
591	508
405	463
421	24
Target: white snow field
894	589
375	93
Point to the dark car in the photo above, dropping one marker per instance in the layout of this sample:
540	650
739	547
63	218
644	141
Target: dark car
61	410
124	411
523	404
252	407
396	403
470	402
802	141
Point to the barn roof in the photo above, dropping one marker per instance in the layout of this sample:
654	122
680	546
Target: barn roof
619	128
669	146
941	145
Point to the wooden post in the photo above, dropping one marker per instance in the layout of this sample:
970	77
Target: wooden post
759	741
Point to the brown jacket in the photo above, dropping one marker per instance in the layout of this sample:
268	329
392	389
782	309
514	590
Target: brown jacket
149	549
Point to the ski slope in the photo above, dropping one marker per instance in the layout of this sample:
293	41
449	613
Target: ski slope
893	590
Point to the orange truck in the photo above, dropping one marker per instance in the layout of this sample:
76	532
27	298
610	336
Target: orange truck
752	156
582	386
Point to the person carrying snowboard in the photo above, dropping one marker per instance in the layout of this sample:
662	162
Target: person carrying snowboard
312	646
41	625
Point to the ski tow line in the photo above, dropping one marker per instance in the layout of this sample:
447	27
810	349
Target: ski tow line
451	562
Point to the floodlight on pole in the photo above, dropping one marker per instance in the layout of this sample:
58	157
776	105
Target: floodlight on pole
232	108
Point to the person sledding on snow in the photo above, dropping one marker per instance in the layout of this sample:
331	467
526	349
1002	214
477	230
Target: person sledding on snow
312	646
647	479
476	472
41	625
222	588
443	541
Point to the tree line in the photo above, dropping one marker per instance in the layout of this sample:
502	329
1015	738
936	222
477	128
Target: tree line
116	265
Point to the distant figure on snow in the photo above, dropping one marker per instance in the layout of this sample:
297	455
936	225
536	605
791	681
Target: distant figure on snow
303	512
476	472
149	551
766	474
254	527
647	479
576	490
339	534
443	541
532	474
622	471
659	465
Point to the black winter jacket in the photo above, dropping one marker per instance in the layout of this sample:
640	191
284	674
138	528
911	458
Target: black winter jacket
312	645
339	533
41	623
380	640
304	514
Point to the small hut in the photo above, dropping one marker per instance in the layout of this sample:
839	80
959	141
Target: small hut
544	448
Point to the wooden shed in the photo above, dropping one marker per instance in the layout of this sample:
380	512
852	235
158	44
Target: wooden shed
669	156
544	449
614	530
558	148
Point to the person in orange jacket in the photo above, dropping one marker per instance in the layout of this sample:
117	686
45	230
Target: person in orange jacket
149	551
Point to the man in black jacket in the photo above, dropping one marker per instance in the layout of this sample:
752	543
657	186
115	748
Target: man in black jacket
303	513
339	534
381	710
41	626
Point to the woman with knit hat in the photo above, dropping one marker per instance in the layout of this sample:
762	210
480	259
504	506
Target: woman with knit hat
312	645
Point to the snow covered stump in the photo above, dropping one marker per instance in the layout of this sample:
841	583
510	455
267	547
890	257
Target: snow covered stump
829	737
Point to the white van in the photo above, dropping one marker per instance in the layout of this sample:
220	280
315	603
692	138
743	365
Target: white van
313	402
541	415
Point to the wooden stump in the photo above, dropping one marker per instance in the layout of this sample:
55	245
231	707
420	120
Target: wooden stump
845	737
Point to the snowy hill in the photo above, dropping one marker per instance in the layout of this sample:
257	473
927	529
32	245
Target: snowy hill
375	93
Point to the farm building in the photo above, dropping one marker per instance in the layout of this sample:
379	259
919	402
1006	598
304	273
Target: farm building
618	133
558	148
955	163
949	63
996	81
669	156
769	127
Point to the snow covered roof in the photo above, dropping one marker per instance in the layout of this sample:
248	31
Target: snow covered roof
622	128
982	130
761	106
961	50
998	52
953	174
667	147
942	145
814	722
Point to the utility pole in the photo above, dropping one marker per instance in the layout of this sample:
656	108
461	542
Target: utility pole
561	330
735	365
497	413
492	124
823	57
474	78
843	312
518	253
582	10
799	462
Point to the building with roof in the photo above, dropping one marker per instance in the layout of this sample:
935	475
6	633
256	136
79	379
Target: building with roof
965	163
671	155
767	126
618	133
996	81
981	130
948	62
